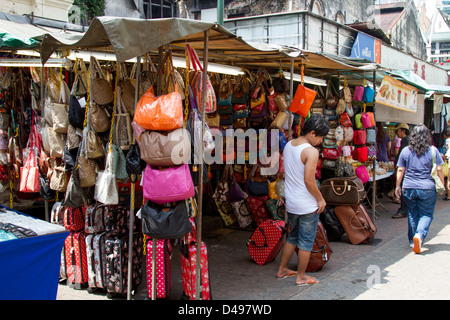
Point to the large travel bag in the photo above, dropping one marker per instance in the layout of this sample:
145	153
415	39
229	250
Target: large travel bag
343	191
321	251
96	260
331	224
356	222
188	261
266	241
163	267
76	260
117	264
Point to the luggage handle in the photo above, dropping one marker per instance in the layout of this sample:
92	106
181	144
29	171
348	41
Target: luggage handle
265	240
337	193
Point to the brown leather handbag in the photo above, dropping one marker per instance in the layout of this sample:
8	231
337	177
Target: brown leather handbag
343	191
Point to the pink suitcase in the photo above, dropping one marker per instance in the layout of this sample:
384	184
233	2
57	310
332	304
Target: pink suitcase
189	267
76	260
163	268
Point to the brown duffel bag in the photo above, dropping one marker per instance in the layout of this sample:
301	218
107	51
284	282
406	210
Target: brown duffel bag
343	191
356	222
321	251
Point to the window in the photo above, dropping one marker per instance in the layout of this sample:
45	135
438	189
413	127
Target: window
154	9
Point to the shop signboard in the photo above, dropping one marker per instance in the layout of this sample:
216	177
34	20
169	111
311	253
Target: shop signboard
366	47
397	94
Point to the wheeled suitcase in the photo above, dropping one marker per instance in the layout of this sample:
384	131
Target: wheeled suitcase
188	261
163	268
95	218
74	218
117	264
96	260
76	260
266	241
356	222
321	251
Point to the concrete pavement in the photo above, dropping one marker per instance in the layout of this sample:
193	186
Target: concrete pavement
384	269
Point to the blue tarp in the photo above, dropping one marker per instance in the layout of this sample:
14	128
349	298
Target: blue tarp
29	267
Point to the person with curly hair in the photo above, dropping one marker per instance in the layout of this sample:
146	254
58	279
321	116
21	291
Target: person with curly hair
415	164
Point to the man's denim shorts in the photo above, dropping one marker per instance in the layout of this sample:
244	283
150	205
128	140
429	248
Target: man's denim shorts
303	230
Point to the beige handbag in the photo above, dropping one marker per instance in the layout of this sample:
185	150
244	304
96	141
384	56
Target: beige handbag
279	120
59	179
94	145
56	143
148	76
99	118
165	148
123	136
281	103
128	90
60	117
101	90
87	171
73	139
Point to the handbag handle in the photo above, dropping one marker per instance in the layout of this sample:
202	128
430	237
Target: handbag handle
337	193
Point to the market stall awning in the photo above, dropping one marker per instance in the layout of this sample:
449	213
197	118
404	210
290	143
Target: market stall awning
130	37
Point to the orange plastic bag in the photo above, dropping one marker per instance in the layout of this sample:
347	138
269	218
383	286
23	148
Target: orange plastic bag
302	101
163	113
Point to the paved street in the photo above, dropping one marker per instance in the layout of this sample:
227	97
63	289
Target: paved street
384	269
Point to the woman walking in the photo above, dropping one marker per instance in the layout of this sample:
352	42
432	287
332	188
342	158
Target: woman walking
415	164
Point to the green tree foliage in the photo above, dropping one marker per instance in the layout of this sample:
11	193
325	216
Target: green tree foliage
89	9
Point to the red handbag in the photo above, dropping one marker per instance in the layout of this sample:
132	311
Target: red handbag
359	137
330	154
362	154
258	208
345	120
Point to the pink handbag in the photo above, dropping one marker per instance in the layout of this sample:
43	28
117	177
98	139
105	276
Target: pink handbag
361	173
168	184
358	94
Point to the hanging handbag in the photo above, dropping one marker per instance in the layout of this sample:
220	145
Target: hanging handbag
76	113
163	113
101	90
161	222
235	193
223	189
87	171
119	162
106	190
29	174
56	143
74	194
94	145
168	184
257	186
99	119
163	149
59	179
123	136
134	164
302	101
126	90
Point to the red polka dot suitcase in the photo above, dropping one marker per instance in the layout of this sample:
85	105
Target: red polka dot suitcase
163	268
266	241
188	261
76	260
74	218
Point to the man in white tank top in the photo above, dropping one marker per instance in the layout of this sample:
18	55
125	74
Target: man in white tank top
304	202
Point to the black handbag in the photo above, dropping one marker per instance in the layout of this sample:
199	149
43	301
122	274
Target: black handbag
44	188
76	113
257	186
161	222
134	164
